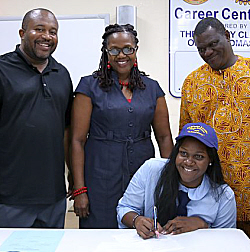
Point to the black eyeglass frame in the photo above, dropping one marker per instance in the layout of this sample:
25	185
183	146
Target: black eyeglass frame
121	50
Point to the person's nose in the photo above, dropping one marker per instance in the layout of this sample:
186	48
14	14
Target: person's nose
208	52
46	35
189	161
121	54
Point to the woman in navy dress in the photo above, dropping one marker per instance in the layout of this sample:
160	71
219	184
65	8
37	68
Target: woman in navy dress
113	112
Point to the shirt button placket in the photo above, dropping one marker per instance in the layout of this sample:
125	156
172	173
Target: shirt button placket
130	147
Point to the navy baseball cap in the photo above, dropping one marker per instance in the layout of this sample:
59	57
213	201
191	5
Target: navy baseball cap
200	131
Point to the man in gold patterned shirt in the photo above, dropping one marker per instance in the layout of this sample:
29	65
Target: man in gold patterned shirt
218	94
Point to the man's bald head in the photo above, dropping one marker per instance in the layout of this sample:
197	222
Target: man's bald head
32	13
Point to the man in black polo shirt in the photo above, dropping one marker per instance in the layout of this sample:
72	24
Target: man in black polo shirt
35	101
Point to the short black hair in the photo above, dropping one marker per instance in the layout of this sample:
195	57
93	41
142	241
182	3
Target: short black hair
209	22
28	15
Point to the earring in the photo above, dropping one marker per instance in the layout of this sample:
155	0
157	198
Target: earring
108	65
135	64
210	164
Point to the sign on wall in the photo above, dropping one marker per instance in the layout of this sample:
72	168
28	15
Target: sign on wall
183	17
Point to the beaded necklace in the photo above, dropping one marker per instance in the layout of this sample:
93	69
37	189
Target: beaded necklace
126	84
123	84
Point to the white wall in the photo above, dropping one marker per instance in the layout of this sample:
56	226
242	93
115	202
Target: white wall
152	27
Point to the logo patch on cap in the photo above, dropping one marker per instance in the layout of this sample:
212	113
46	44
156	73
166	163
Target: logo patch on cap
197	130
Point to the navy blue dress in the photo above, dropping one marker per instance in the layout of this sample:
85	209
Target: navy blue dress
118	144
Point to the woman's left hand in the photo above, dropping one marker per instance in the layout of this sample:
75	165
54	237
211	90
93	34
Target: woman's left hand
182	224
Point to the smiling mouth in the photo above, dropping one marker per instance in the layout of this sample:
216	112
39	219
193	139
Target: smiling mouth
44	45
187	170
122	63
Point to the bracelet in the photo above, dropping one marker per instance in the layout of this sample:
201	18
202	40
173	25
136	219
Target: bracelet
133	221
73	195
80	189
78	193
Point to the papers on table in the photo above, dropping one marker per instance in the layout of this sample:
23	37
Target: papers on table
32	241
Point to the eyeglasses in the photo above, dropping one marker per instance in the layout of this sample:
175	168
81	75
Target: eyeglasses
125	51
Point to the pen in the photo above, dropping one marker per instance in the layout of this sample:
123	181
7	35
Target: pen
155	222
155	218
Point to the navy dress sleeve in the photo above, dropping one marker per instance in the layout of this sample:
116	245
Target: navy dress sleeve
84	86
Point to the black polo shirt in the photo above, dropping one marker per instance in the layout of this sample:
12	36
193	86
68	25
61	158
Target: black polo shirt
34	108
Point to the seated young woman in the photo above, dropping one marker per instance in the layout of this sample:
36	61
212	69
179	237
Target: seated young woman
192	170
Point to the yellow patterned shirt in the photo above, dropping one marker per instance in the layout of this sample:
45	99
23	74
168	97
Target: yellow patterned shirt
221	99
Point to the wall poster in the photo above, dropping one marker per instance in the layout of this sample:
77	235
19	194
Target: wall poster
183	17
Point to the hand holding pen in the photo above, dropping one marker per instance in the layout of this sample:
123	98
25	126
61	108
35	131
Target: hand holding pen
146	227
